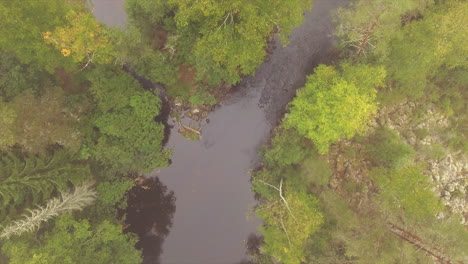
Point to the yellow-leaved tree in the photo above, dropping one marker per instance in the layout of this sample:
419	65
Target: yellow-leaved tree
83	39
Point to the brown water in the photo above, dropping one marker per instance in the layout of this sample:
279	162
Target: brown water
110	12
209	178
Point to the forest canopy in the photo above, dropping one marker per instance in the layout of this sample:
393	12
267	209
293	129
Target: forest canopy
70	117
366	138
368	164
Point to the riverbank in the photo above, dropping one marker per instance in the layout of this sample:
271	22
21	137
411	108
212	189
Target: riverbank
209	177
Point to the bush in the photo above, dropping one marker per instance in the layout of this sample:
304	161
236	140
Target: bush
316	170
421	133
202	97
434	151
408	191
386	149
287	148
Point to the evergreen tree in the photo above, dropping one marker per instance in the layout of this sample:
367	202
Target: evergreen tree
27	180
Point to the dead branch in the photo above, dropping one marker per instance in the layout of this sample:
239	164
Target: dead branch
191	129
229	14
285	231
188	128
89	61
280	191
368	32
268	207
419	243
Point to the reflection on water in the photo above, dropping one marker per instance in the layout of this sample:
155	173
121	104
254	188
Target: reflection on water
252	250
210	176
151	207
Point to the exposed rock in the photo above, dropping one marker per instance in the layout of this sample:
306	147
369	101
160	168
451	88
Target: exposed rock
449	174
440	215
411	140
340	161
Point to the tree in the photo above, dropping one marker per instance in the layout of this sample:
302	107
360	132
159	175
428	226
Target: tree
146	14
335	104
450	235
367	27
386	149
221	40
231	38
131	140
128	138
287	148
44	120
30	180
75	241
83	39
24	22
16	77
409	192
7	118
429	49
81	197
289	220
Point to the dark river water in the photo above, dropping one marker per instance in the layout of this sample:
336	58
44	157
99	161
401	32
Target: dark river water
199	209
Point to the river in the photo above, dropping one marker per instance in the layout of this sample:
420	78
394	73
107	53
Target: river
201	205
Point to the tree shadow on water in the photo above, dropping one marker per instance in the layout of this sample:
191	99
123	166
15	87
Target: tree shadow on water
254	242
151	207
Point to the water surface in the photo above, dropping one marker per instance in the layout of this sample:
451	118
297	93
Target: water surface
210	177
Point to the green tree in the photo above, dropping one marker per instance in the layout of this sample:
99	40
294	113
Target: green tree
407	191
335	104
231	36
75	241
23	23
289	219
45	120
128	138
148	16
430	47
367	27
31	180
287	148
16	77
386	149
7	119
450	235
222	40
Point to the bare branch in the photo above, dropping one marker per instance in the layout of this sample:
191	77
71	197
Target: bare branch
191	129
89	61
285	202
286	231
268	207
280	190
272	186
419	243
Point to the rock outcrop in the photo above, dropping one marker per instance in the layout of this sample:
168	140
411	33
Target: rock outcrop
427	132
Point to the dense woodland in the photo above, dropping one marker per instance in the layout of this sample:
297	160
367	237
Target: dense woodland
343	180
343	183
